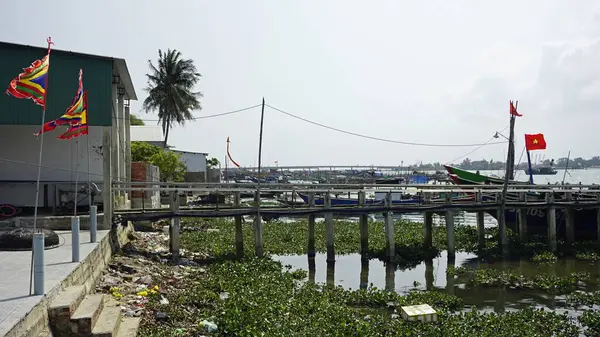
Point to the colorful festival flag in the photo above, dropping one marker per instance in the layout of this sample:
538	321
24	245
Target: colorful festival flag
81	128
74	112
72	115
513	110
535	142
48	126
32	82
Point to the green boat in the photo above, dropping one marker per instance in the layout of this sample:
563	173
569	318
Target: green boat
464	177
585	219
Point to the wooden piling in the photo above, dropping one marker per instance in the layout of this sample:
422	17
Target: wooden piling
330	278
428	217
258	239
522	217
480	223
390	276
364	225
175	232
502	224
239	234
389	228
311	226
569	221
364	274
551	221
329	229
450	227
312	269
598	219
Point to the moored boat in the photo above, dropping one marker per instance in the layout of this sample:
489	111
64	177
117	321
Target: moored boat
537	222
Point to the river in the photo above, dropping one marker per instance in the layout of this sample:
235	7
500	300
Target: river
350	272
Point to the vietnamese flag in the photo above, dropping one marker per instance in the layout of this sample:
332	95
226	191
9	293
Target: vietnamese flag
513	110
535	142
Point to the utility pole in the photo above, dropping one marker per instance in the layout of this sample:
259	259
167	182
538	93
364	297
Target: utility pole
258	248
509	175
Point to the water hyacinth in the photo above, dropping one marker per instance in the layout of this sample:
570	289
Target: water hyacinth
260	297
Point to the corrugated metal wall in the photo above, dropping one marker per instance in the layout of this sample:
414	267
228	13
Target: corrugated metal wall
62	86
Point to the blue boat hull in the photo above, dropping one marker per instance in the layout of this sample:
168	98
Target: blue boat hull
319	201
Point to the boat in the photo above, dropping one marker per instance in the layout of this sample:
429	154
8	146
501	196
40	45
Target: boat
542	170
537	223
403	200
389	181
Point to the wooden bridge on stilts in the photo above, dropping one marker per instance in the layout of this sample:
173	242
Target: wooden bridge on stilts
579	203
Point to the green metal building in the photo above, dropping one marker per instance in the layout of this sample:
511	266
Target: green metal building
106	148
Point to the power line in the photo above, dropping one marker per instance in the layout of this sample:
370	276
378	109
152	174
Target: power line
381	139
48	167
207	116
479	147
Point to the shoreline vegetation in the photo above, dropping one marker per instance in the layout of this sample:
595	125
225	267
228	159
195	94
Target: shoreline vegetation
261	297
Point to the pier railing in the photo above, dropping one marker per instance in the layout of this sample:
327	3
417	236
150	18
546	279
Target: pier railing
329	200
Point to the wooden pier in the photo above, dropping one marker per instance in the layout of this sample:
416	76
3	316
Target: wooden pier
429	199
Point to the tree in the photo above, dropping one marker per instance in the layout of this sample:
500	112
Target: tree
142	151
170	165
135	120
170	90
212	162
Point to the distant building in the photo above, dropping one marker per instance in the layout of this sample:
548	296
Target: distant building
196	165
151	134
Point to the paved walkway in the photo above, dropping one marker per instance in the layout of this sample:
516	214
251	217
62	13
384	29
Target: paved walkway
15	301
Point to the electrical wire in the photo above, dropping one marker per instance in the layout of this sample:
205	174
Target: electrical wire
207	116
45	166
378	138
477	148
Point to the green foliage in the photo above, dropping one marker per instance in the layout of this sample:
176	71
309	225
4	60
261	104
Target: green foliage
508	278
544	257
142	151
171	89
135	120
264	299
212	163
591	320
170	166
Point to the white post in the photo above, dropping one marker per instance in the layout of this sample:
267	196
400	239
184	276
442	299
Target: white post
114	142
75	239
107	173
93	222
38	263
121	136
127	143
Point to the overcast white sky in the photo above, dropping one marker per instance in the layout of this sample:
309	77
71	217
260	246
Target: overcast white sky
433	71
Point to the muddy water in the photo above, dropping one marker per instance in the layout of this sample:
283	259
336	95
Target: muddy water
351	272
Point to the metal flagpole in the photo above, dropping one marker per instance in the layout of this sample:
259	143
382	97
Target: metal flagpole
76	175
88	169
39	174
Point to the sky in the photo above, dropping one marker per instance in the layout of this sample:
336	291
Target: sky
436	72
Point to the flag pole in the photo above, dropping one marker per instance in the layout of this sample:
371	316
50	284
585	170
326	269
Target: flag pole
88	169
529	168
76	175
39	174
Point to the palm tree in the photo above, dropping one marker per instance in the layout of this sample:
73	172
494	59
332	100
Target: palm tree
170	90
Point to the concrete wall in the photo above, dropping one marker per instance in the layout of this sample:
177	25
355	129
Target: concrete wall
19	160
145	199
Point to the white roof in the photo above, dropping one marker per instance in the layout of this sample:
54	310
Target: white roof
146	133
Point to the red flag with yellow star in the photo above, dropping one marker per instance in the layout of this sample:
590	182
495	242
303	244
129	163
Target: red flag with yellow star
535	142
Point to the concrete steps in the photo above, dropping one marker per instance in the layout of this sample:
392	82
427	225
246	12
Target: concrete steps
74	314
